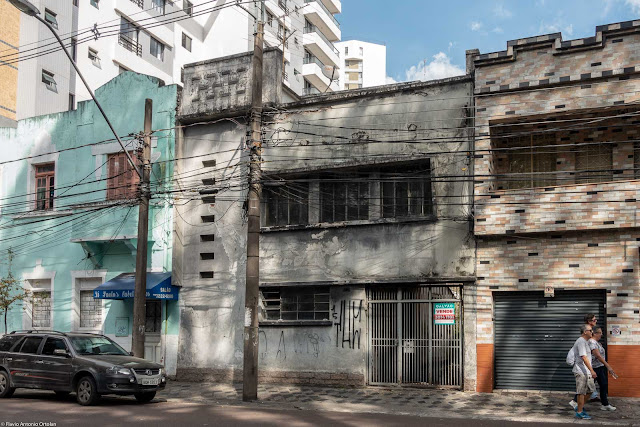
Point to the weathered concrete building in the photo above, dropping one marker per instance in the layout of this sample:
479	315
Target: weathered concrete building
556	167
367	254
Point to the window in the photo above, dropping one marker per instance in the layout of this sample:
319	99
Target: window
128	37
153	317
50	17
30	345
187	7
93	56
95	3
123	179
361	51
41	310
74	49
406	193
286	205
346	50
8	341
47	79
157	49
344	198
75	3
53	344
158	5
295	303
45	180
186	42
594	163
72	102
90	310
531	161
182	75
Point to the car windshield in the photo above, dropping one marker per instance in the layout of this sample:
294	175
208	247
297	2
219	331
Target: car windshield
96	345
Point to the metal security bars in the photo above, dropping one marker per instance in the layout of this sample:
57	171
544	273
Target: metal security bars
408	343
295	303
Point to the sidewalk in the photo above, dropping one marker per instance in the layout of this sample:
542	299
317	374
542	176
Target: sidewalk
533	407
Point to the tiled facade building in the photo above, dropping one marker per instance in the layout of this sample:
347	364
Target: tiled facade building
9	40
556	198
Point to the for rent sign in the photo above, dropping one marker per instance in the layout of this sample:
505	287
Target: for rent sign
444	313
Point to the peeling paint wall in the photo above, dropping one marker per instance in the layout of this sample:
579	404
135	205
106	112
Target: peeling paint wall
387	125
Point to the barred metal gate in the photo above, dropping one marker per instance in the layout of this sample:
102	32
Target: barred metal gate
407	345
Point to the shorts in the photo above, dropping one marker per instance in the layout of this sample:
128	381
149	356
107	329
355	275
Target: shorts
584	384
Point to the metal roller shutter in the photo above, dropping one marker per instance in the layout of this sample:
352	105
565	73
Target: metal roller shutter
533	335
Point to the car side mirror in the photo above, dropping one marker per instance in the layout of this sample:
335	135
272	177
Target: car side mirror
61	352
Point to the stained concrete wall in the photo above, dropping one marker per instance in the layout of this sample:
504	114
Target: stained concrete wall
390	125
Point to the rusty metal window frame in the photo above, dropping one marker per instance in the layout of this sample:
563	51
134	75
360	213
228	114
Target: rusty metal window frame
286	204
344	198
295	303
406	193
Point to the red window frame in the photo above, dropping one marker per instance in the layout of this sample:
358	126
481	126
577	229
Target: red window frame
45	181
122	182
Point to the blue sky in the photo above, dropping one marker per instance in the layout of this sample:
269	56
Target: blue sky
427	39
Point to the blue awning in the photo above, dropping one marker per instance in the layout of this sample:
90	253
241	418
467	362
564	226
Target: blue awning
122	287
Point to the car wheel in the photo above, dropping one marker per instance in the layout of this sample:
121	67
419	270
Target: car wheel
145	397
5	385
61	393
87	392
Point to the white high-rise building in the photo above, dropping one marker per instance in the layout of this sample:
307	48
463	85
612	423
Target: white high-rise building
157	37
362	64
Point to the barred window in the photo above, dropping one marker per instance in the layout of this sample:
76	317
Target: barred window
406	192
531	162
344	198
286	205
295	303
594	163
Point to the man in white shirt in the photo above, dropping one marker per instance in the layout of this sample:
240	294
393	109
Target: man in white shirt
582	370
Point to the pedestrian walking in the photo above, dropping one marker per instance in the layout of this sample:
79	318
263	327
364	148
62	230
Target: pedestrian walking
602	368
582	370
591	320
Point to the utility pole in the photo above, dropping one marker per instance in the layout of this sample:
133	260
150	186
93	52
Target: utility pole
140	292
252	291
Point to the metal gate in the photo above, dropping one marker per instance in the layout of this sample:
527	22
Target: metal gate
533	335
407	345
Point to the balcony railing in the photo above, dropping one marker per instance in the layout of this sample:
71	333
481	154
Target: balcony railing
283	6
139	3
319	2
130	44
314	29
312	60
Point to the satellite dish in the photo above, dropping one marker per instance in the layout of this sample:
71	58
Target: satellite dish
330	72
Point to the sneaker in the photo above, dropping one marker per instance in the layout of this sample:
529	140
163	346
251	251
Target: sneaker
607	408
583	415
574	405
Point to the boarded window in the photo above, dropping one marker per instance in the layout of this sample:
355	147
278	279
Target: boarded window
90	310
286	204
45	180
123	179
295	303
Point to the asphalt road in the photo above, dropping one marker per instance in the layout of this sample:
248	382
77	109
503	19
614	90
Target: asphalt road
38	409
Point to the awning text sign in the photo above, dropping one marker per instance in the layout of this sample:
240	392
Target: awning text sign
444	313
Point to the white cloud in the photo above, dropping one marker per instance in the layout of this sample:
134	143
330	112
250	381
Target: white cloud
556	27
497	30
634	5
390	80
452	45
501	12
475	26
440	68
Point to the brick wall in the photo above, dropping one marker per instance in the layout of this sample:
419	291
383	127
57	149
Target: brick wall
9	39
571	236
90	310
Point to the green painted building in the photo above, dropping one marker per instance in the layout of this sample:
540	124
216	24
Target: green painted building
68	216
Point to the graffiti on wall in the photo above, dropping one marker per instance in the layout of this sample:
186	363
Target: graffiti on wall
347	321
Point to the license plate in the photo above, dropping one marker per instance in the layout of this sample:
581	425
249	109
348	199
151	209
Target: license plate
148	381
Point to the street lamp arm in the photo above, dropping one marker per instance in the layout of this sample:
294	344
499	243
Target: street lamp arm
86	85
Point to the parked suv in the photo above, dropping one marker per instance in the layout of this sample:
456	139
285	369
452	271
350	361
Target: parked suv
88	364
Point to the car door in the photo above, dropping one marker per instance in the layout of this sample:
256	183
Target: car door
54	369
22	366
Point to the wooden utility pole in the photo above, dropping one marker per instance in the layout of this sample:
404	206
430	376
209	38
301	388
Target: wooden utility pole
252	292
140	292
